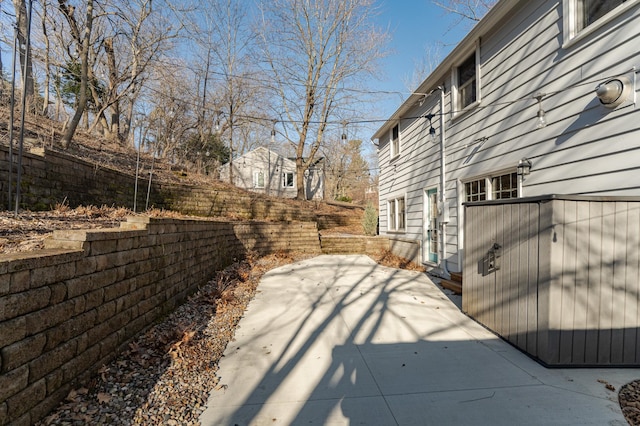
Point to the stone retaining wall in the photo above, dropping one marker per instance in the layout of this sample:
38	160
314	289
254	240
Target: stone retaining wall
353	244
66	310
52	177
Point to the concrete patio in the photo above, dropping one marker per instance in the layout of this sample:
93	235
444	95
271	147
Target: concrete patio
340	340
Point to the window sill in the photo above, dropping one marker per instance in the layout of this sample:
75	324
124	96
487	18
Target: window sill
394	158
398	232
457	114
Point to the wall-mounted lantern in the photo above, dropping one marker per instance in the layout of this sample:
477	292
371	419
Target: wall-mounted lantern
541	120
614	92
432	131
524	167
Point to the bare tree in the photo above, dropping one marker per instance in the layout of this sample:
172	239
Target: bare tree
26	60
314	52
472	10
347	172
47	58
135	35
227	39
81	33
429	60
171	93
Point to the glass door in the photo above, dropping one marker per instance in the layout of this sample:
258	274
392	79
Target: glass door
430	228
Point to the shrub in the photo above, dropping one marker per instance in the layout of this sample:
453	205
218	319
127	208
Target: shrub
370	220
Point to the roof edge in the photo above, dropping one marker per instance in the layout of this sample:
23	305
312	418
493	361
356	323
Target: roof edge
433	80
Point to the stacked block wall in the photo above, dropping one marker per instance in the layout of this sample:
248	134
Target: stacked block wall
67	309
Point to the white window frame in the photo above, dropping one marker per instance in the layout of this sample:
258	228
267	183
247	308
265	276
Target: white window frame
394	143
284	180
256	179
397	214
457	108
489	189
571	31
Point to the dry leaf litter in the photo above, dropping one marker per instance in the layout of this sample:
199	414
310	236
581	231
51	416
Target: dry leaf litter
165	375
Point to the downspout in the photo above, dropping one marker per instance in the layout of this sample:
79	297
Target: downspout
444	213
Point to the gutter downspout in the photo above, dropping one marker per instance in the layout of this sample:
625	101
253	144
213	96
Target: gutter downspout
444	214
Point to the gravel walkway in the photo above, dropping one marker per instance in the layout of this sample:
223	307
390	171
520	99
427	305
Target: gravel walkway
166	374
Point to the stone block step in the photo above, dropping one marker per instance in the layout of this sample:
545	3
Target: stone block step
455	286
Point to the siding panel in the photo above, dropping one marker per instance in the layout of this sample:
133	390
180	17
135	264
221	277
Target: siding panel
585	148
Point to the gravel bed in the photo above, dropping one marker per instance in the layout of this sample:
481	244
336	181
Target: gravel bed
629	398
166	374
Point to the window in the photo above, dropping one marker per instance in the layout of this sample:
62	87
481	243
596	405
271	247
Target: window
395	141
476	190
287	180
467	82
492	188
505	186
258	179
589	11
582	17
396	212
465	91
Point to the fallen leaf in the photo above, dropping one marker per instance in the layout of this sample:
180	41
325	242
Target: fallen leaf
72	395
104	398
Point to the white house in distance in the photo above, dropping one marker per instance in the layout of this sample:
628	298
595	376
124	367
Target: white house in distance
539	98
269	173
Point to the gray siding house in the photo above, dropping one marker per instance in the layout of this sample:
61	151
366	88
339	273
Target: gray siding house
539	98
267	172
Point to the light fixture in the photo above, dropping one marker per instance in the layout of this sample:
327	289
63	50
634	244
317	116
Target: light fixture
542	119
344	131
218	114
614	92
524	167
432	131
273	131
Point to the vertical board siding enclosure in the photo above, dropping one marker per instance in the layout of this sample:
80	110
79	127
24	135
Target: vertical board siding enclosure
533	59
557	276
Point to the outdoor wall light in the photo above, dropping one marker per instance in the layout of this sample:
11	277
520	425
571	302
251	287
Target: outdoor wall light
273	132
614	92
432	131
542	119
524	167
343	137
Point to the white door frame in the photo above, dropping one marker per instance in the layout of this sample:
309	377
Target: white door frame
430	225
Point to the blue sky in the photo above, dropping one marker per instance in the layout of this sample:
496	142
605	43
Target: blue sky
416	27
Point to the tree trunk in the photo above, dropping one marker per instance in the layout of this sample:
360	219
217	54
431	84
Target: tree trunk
26	65
47	60
84	71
